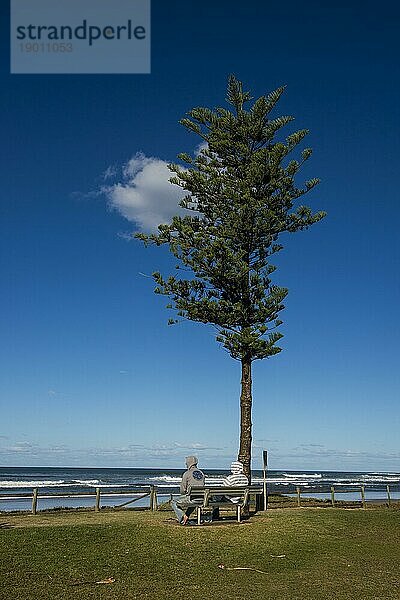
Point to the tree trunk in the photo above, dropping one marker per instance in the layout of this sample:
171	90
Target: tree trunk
245	417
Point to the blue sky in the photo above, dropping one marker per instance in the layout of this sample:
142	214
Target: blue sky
91	375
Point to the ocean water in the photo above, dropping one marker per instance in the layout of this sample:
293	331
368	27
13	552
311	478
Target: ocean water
56	481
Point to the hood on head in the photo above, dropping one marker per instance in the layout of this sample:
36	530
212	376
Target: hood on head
191	461
237	467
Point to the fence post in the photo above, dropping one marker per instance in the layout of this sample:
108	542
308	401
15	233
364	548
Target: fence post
298	496
333	495
388	495
97	505
153	498
363	496
34	501
265	491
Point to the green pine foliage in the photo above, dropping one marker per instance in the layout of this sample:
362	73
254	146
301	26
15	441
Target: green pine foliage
240	195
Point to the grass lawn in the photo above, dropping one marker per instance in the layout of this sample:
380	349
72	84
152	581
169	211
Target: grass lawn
328	553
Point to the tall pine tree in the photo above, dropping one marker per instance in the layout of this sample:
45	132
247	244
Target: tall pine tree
240	196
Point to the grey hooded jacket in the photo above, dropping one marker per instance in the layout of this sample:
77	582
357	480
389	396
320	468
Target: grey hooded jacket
192	477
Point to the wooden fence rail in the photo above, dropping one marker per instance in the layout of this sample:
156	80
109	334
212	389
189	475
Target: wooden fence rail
335	491
151	491
139	492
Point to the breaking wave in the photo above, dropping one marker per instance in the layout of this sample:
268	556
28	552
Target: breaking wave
48	483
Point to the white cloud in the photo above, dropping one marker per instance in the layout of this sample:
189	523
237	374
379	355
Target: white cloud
318	456
110	172
202	146
195	446
31	449
158	455
144	195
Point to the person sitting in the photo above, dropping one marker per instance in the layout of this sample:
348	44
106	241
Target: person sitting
192	477
237	478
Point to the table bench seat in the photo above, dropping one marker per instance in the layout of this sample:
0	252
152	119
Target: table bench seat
210	497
